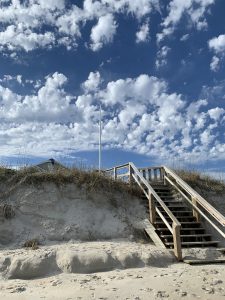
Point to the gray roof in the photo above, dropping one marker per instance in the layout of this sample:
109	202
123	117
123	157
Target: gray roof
50	165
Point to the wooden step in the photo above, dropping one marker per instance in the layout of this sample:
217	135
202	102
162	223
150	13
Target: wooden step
204	261
175	212
167	196
184	230
167	193
164	190
222	250
205	243
180	212
183	224
171	201
176	208
187	235
179	218
173	206
187	238
159	185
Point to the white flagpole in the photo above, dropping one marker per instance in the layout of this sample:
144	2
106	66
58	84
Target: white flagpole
100	139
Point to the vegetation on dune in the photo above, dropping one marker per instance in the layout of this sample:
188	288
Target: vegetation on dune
91	180
201	181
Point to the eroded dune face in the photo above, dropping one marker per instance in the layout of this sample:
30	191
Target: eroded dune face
80	258
49	213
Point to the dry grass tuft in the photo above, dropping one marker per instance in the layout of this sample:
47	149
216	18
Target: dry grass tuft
33	244
5	173
202	182
8	211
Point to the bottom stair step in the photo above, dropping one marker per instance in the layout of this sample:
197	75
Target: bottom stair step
209	243
204	261
182	229
186	235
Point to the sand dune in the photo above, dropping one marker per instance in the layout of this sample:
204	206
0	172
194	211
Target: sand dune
90	247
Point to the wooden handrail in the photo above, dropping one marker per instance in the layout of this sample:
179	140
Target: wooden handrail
196	208
156	196
200	200
118	167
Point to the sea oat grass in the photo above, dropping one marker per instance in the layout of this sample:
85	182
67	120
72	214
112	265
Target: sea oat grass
91	180
201	181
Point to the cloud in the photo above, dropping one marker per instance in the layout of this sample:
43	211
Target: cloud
139	114
33	24
216	113
143	34
214	65
185	37
103	32
14	38
217	44
194	10
8	78
50	103
93	82
161	57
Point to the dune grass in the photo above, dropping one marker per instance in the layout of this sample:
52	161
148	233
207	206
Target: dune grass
91	180
198	180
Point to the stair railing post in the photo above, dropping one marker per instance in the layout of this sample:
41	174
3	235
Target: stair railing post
152	211
163	175
195	213
177	241
114	173
130	175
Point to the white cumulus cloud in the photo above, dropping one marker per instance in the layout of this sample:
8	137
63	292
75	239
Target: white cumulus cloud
93	81
195	10
214	65
139	114
217	43
103	32
143	34
32	24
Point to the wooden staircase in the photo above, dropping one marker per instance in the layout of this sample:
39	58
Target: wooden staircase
192	232
174	208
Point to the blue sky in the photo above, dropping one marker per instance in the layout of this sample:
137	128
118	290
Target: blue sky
157	68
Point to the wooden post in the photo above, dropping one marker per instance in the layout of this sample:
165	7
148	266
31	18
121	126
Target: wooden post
195	213
149	175
177	242
162	173
130	175
144	173
152	212
114	173
155	175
